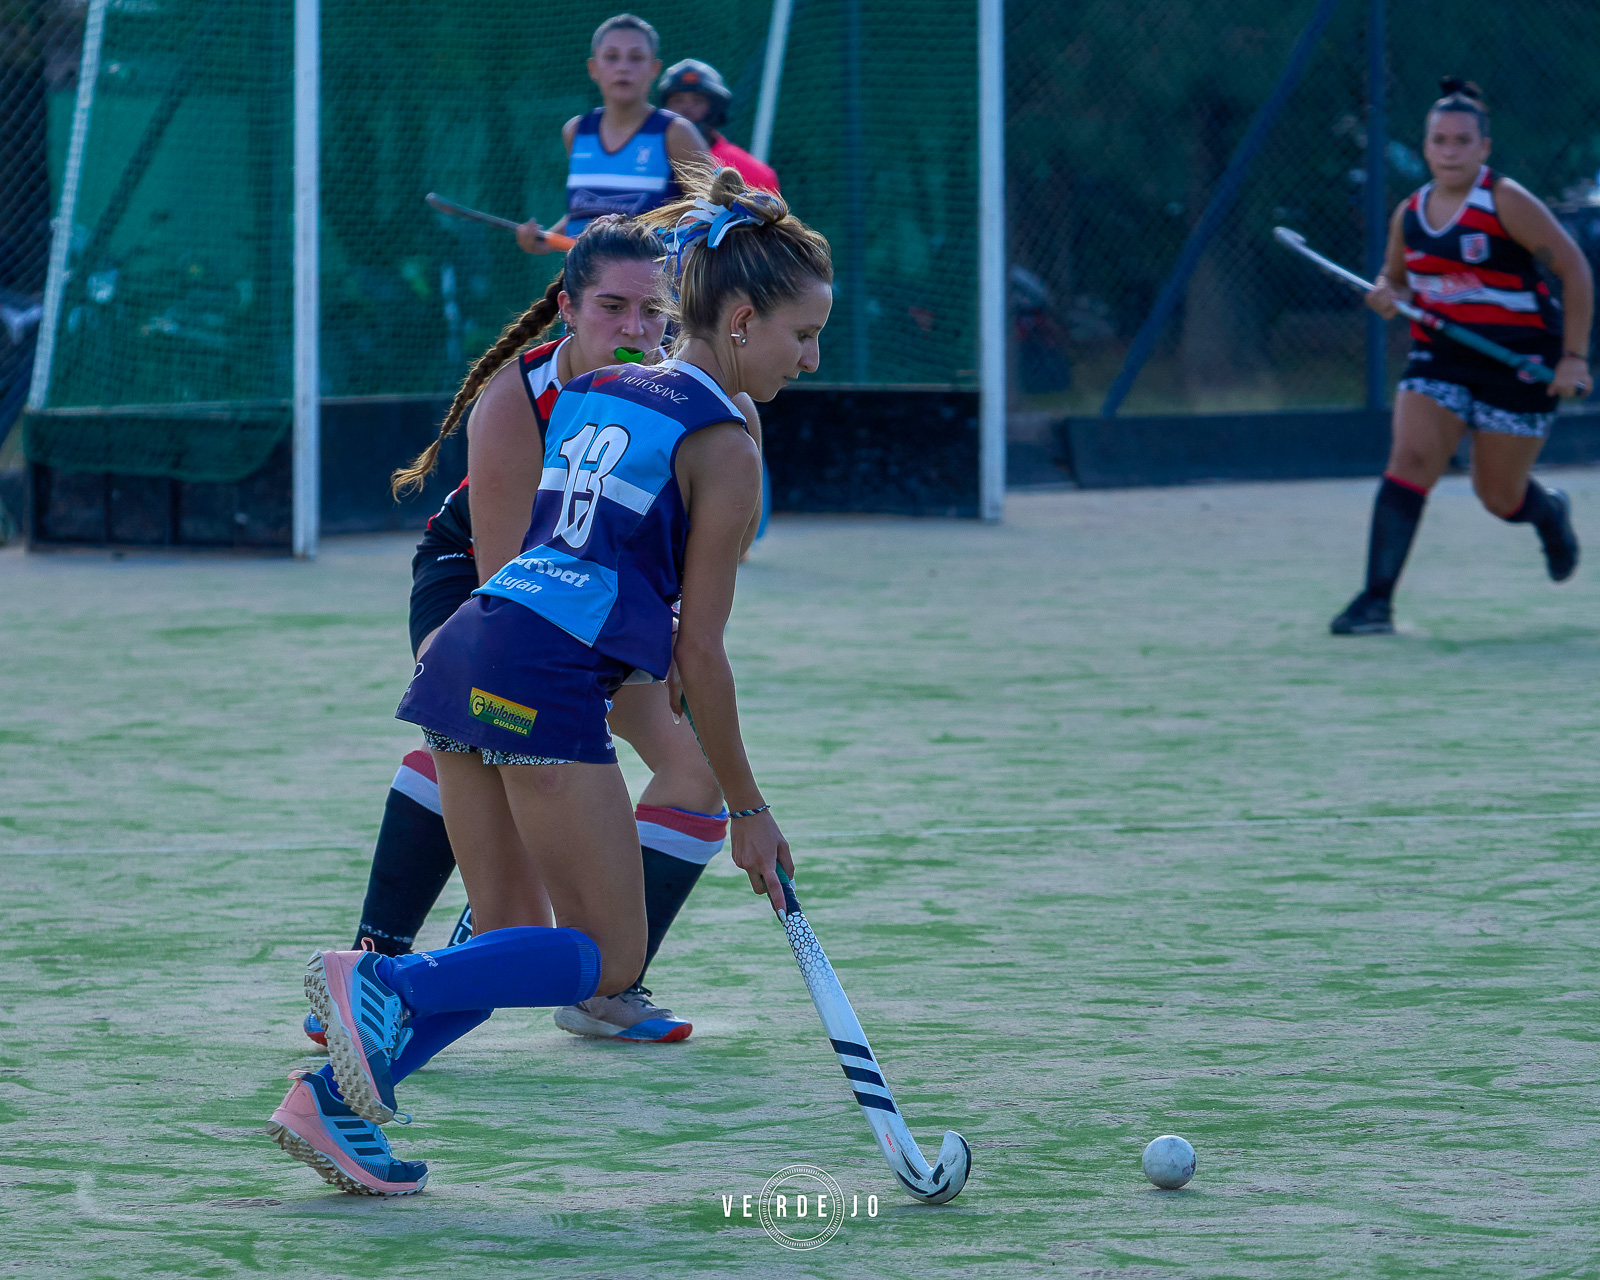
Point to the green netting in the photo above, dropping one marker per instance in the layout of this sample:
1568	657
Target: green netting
1123	114
179	299
182	277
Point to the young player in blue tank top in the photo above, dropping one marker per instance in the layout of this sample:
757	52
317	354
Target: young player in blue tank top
651	484
620	156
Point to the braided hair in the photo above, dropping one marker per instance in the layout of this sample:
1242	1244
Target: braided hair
604	241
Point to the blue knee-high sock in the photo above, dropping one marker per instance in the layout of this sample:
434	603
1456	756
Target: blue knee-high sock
428	1035
431	1034
519	968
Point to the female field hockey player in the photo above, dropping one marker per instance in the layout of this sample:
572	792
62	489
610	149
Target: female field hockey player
1466	247
620	156
650	487
609	296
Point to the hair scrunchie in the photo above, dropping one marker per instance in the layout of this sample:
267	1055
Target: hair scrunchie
709	221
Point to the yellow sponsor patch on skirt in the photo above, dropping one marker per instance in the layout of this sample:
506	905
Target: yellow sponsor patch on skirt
502	713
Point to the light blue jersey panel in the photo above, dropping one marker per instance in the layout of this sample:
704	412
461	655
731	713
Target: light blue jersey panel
631	180
578	595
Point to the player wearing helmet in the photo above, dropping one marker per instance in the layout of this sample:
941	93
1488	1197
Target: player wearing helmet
694	90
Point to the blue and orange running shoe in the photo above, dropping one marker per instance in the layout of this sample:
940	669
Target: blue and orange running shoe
365	1025
317	1129
628	1015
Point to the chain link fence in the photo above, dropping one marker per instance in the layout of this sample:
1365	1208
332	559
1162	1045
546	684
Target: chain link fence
38	65
1123	116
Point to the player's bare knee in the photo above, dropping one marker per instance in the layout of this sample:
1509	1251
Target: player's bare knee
1411	464
1500	502
619	967
685	784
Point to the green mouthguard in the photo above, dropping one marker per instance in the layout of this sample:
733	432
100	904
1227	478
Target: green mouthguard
627	355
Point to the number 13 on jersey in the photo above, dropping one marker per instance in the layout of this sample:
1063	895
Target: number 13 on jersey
592	455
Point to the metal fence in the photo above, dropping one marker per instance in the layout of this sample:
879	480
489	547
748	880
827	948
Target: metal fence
1130	121
38	63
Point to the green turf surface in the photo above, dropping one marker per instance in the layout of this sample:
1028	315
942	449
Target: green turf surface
1031	774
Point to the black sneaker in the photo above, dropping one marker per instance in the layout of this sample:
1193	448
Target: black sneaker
1364	616
1561	543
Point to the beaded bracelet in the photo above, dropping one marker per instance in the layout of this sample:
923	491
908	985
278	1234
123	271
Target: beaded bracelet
750	813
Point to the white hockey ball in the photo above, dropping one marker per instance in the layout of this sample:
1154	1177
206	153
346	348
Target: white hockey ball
1168	1161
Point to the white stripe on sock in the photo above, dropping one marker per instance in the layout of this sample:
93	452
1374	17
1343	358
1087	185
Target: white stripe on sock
676	844
424	790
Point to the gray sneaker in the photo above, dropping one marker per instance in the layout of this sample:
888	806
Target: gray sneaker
628	1015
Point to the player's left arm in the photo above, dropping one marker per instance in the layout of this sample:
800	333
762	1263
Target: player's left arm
719	475
1533	226
684	142
505	460
752	423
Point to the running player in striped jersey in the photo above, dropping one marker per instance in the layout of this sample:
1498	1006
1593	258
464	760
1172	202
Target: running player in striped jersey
650	489
607	296
1468	246
620	156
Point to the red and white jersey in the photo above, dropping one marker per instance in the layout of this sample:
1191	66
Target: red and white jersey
1472	272
449	528
538	367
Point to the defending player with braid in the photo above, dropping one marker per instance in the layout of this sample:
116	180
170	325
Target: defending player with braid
608	296
1466	246
649	490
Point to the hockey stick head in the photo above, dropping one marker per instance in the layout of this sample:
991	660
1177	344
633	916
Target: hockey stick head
1293	239
947	1177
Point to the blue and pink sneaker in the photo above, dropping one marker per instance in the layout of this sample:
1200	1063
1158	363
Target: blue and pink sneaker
312	1026
628	1015
317	1129
365	1026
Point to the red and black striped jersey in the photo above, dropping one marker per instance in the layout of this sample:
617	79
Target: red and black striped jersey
450	527
1472	272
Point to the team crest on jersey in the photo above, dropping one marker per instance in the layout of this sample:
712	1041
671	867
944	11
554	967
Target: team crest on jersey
1475	247
643	156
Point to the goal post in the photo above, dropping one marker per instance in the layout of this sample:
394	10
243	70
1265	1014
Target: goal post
992	318
307	429
66	212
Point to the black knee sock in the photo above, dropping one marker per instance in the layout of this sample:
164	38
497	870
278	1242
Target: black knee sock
1536	508
412	862
667	884
1395	516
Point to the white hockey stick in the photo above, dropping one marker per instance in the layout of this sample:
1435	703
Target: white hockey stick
932	1186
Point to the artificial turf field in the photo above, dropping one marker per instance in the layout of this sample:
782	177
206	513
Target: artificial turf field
1105	835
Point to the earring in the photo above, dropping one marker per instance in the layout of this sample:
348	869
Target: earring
741	338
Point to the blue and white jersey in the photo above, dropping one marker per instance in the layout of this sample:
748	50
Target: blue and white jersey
603	557
631	180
